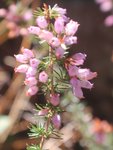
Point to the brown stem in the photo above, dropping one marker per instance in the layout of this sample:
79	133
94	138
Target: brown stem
51	69
42	142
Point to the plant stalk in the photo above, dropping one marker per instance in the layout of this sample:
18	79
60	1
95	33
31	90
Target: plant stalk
50	70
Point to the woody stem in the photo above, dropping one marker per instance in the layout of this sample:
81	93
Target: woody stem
51	69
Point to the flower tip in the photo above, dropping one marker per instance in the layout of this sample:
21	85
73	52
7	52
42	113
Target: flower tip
15	70
28	94
95	74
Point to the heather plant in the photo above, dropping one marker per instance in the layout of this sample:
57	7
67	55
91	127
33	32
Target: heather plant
17	17
54	74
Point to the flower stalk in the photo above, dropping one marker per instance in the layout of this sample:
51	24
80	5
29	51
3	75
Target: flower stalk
53	74
51	70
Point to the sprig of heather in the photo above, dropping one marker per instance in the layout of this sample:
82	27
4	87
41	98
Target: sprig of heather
55	73
17	18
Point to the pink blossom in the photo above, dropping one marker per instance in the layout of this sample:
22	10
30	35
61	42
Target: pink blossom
59	25
59	52
32	90
85	74
72	70
34	62
109	21
80	79
46	35
42	22
27	53
59	10
34	30
43	77
54	99
21	58
71	40
30	81
56	120
31	72
82	74
79	58
76	86
55	42
71	28
22	68
86	84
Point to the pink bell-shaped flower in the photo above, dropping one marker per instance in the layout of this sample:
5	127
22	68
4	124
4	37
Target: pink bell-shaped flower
56	120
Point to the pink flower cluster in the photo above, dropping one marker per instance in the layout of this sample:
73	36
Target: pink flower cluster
15	16
29	68
105	6
78	76
58	31
64	31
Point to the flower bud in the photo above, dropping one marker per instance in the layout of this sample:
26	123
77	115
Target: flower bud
59	10
59	52
59	25
31	72
30	81
21	58
54	99
34	62
34	30
32	90
41	22
27	53
71	28
22	68
79	58
70	40
56	120
43	77
46	35
55	42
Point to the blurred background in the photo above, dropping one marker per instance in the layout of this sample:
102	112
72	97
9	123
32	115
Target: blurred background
95	39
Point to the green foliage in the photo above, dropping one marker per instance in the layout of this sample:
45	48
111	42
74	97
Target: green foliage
61	80
38	12
36	131
33	147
